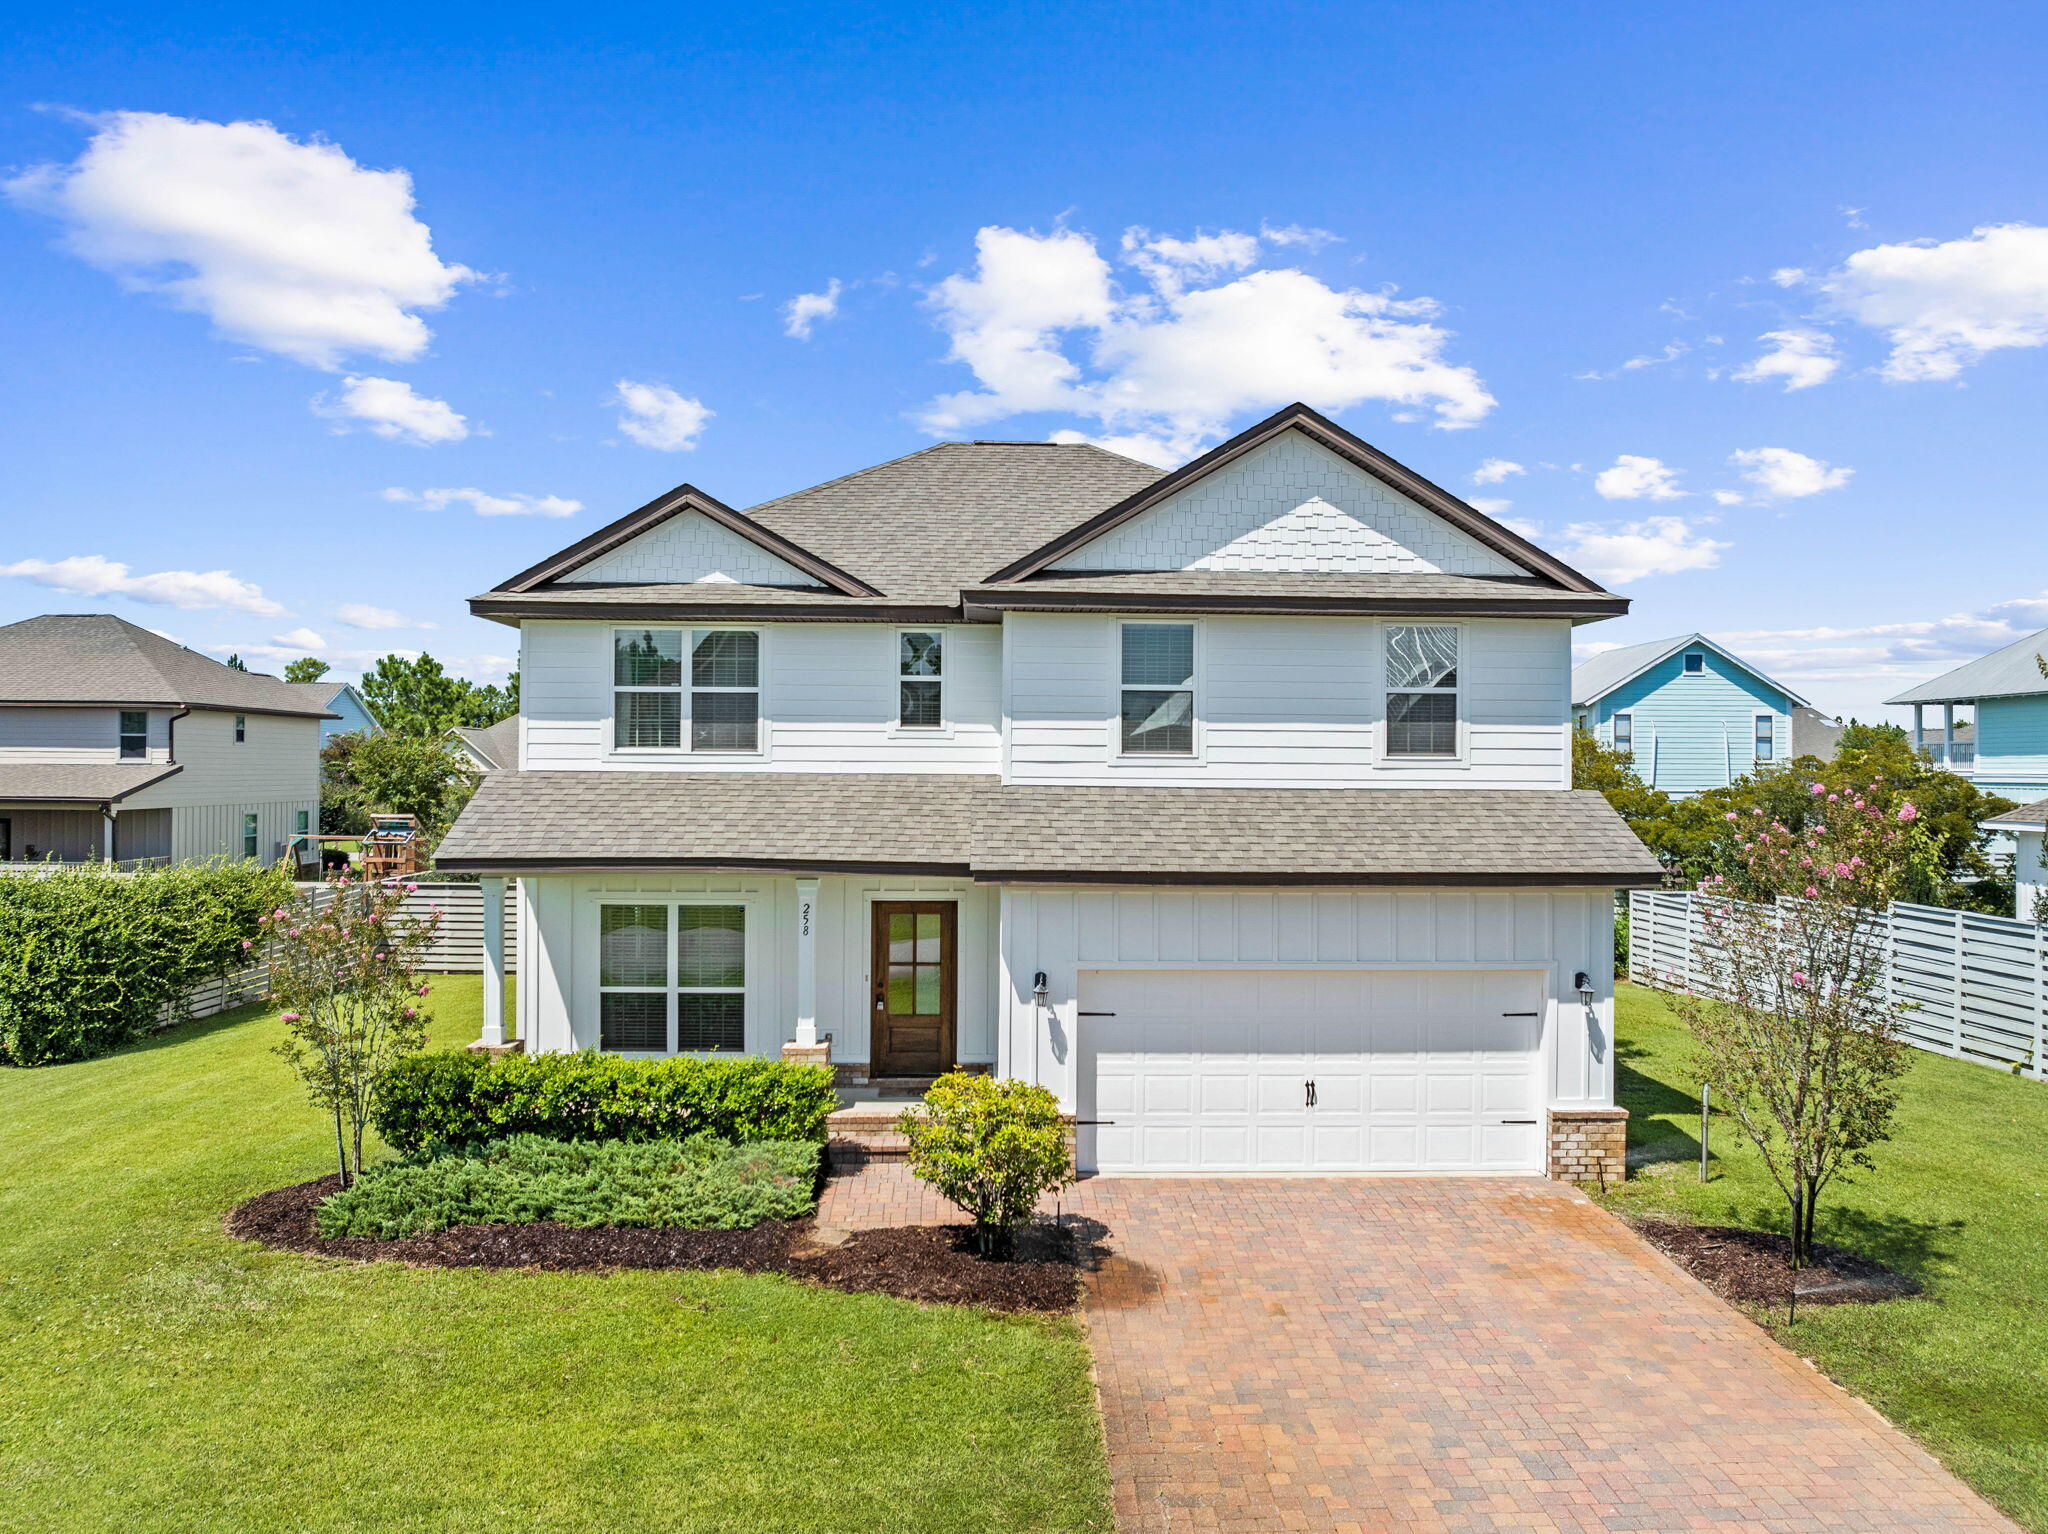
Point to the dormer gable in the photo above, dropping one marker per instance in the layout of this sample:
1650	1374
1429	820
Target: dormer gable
1296	494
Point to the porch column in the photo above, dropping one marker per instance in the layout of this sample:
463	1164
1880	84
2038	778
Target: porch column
1919	727
807	964
1948	736
107	834
493	1036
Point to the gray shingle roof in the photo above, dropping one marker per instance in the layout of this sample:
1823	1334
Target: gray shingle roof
1066	589
2028	817
497	744
85	782
964	824
2007	673
1598	675
98	658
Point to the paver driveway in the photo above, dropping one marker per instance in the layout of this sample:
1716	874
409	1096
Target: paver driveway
1468	1354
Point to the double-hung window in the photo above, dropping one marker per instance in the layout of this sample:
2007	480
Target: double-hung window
724	689
134	734
241	728
672	979
1625	733
1157	695
249	835
920	685
1766	737
1422	690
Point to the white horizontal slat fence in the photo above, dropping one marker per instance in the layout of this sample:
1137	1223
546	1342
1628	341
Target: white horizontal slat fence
1977	985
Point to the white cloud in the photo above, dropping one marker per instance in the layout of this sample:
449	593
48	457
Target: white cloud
1728	497
484	504
658	417
1162	451
1672	351
802	313
1523	525
303	639
287	246
193	590
1784	475
1490	504
284	649
360	615
1494	470
1802	358
1172	362
1636	478
393	411
1789	276
1945	306
1632	550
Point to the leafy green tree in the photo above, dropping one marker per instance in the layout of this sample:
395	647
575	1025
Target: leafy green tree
993	1147
365	775
1650	812
416	696
305	669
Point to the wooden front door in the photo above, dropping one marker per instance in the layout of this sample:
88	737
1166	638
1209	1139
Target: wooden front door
914	987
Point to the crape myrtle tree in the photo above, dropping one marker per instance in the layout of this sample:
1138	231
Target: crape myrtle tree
345	970
1798	1037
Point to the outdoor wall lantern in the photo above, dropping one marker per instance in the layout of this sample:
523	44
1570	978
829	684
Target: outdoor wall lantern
1039	989
1583	982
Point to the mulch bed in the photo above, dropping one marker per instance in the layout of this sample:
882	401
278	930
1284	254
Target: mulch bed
918	1262
1752	1266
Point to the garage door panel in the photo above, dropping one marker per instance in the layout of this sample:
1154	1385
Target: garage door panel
1206	1070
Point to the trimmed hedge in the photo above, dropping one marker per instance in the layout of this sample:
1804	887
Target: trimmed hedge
699	1184
89	959
458	1098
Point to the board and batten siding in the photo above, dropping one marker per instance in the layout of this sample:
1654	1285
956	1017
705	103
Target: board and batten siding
75	735
557	941
1288	702
274	773
1553	934
828	702
1693	733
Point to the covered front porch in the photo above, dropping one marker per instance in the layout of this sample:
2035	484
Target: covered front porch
59	832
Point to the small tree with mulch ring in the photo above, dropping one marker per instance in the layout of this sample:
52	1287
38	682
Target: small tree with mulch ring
993	1147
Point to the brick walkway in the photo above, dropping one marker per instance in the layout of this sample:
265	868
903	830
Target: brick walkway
1444	1354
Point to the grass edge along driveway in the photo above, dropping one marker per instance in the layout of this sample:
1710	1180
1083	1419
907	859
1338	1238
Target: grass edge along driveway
157	1375
1958	1199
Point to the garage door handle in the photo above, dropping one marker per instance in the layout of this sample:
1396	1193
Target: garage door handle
1518	1121
1095	1014
1521	1014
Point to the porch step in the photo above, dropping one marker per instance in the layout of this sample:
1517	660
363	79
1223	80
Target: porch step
866	1131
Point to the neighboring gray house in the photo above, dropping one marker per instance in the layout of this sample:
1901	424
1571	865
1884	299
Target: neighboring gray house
1231	804
118	745
352	715
1814	733
494	748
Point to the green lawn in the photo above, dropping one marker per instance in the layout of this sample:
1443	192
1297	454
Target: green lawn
1959	1199
158	1376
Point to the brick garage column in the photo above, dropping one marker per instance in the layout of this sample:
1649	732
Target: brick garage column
1588	1144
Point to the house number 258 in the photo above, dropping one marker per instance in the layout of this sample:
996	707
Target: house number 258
804	918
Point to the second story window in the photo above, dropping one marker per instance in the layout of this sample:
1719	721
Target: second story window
647	683
1158	690
725	690
241	728
920	688
1695	663
1766	737
1625	733
1422	690
134	735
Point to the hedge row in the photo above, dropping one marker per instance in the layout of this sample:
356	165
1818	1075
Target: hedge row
458	1098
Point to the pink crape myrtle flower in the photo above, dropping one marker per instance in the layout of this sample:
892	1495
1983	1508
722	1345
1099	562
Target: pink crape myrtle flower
1819	789
1908	813
1799	977
1812	893
1841	870
291	1017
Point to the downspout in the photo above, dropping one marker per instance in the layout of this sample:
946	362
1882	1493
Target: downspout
107	833
171	733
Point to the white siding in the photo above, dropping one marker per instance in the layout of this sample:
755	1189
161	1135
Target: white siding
557	993
275	772
1290	505
74	735
692	547
1288	702
828	703
1552	934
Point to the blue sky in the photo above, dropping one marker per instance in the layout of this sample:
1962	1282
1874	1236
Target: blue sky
1792	255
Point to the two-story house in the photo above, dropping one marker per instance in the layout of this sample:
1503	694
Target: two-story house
117	745
1232	804
2006	749
1692	714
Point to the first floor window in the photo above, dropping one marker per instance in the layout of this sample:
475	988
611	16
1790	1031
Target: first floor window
1766	737
1422	690
1625	732
249	835
303	822
1157	717
920	661
134	734
672	978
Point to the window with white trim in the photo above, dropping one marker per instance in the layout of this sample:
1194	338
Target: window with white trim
302	821
134	734
241	728
723	693
672	978
1766	737
1422	690
1625	733
1156	696
920	681
1695	663
249	835
725	690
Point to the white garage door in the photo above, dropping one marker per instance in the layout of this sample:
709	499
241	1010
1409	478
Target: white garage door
1309	1070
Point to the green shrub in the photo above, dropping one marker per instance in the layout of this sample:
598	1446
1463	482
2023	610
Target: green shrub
700	1183
1621	944
90	959
992	1147
458	1098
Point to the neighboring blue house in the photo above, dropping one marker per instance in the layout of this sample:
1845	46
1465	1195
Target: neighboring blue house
2007	752
342	699
1693	715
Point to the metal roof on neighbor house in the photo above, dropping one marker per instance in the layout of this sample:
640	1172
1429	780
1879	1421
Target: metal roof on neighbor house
98	658
962	824
1598	675
79	782
2008	673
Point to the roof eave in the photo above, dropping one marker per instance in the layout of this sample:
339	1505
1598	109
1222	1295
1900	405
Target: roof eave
1635	879
1025	600
512	609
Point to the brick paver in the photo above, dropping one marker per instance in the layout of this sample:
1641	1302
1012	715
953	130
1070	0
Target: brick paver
1444	1354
